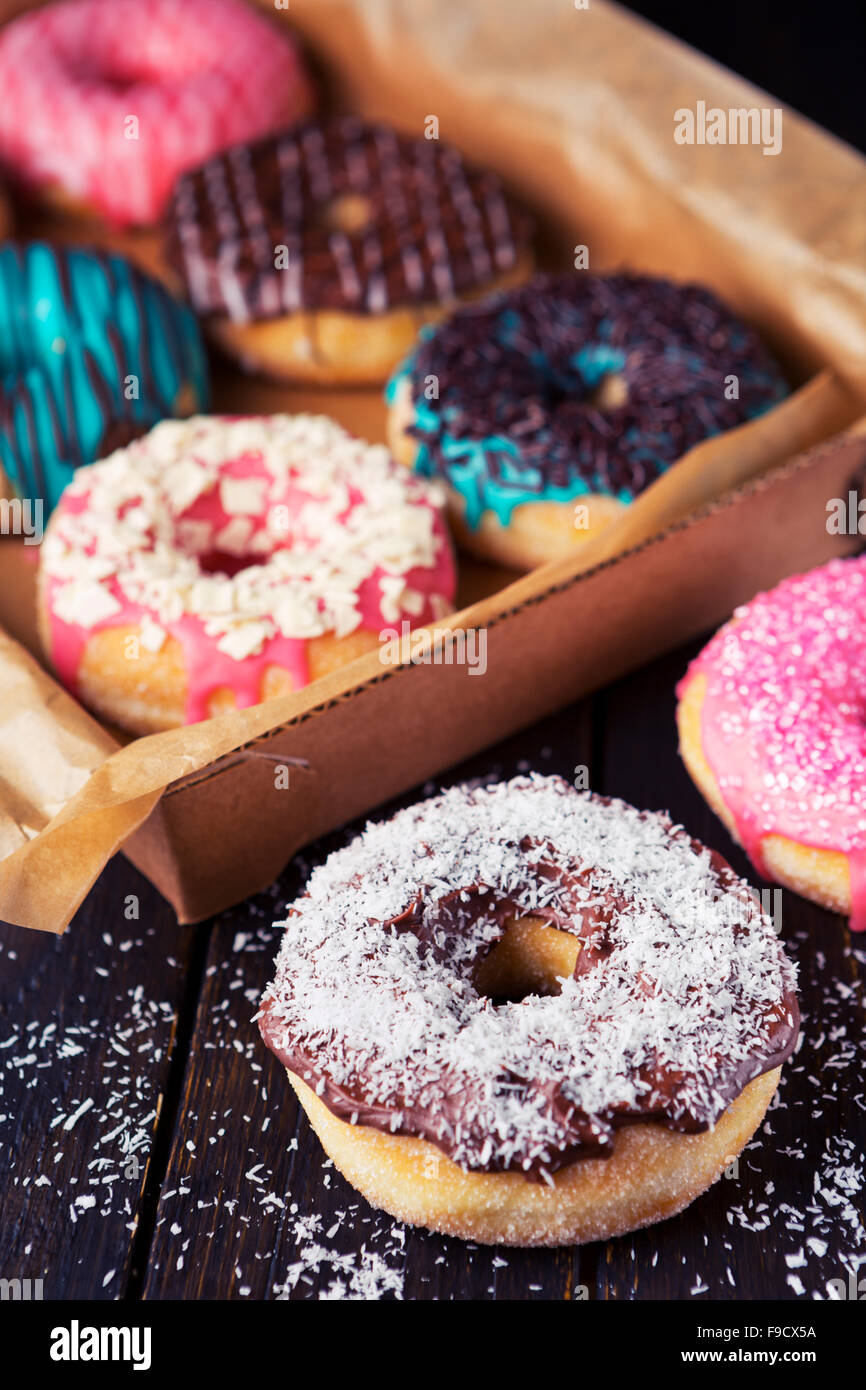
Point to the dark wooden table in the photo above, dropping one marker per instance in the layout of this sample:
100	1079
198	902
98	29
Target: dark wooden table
150	1147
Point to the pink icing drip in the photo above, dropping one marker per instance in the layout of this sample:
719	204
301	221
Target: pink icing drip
783	723
857	867
207	668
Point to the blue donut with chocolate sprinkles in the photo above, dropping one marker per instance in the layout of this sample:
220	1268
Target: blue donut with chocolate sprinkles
93	353
546	409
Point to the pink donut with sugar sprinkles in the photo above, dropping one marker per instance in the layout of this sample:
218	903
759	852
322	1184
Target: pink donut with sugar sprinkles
220	561
772	722
106	102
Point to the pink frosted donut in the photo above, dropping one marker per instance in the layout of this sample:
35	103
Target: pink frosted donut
772	721
220	561
106	102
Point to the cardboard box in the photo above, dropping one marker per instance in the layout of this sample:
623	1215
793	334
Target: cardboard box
227	831
214	821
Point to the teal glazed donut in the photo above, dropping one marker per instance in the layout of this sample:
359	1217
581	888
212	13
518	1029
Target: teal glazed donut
571	389
93	352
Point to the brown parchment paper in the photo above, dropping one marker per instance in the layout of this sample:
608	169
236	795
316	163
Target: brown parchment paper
54	848
575	107
576	110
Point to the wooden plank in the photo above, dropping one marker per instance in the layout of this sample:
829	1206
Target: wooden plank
792	1215
247	1205
250	1207
89	1021
248	1198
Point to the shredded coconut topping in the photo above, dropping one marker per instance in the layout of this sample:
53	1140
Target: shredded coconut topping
682	998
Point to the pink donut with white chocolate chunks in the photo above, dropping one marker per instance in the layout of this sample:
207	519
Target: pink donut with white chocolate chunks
106	102
772	721
219	561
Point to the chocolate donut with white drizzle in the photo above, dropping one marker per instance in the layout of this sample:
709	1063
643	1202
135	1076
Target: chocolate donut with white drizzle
319	252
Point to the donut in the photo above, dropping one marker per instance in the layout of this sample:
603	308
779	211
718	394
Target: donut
105	102
317	254
772	725
92	353
548	408
220	561
527	1015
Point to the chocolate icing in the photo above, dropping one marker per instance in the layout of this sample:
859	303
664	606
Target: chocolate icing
578	899
370	219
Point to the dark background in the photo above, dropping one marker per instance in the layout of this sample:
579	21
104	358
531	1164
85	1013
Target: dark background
809	53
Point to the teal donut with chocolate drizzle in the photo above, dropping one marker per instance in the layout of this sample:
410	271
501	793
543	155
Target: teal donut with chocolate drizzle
576	385
93	352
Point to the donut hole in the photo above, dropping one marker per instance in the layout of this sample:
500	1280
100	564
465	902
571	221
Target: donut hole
117	83
598	379
121	69
349	213
531	957
611	392
218	562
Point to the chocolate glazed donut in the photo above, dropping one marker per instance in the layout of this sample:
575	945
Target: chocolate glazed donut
588	1044
318	253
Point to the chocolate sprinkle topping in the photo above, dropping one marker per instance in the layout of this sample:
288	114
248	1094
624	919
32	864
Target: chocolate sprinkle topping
369	220
519	375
